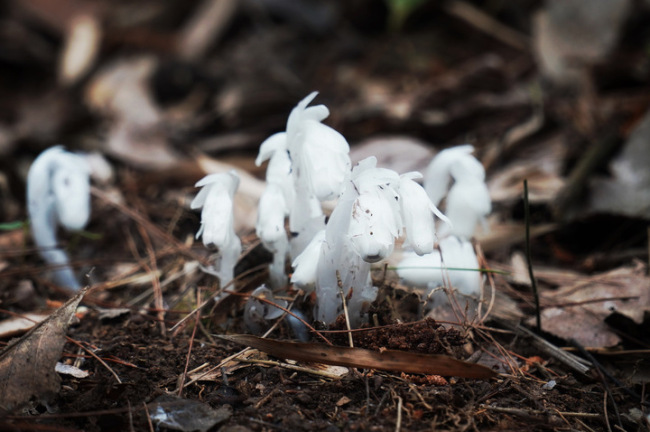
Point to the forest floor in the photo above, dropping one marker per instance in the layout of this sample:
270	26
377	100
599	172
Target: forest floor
164	108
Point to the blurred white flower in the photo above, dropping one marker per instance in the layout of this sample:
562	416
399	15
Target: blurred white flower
58	191
457	265
468	200
271	212
274	149
468	203
438	175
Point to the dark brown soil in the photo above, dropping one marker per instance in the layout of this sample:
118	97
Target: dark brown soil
442	80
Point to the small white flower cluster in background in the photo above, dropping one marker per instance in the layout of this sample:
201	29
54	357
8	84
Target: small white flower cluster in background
309	163
467	204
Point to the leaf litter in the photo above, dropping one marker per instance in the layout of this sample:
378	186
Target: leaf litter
447	78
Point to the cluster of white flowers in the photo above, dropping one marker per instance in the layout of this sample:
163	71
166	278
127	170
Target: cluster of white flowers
467	203
309	163
58	193
376	206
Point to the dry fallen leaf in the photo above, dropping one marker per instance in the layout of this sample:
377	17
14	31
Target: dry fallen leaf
583	306
397	361
27	364
19	324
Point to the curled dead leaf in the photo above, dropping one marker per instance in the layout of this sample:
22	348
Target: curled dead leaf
27	364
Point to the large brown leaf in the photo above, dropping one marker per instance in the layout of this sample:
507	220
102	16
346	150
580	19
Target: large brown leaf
27	364
391	360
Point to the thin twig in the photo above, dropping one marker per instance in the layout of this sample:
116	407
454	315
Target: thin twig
96	357
537	413
189	350
290	366
146	410
345	308
485	23
533	282
576	363
609	428
398	423
603	374
152	268
231	357
130	416
211	296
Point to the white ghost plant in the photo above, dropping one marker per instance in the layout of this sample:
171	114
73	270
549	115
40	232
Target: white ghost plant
468	200
272	210
468	203
308	163
216	199
362	229
58	193
318	164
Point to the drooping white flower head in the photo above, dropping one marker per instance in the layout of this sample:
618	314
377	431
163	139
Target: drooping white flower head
311	163
278	172
468	200
376	219
216	198
216	201
320	155
418	212
58	191
438	175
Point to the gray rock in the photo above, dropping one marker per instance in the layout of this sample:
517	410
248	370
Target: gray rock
572	34
627	192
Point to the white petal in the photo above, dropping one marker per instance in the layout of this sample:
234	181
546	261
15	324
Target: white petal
306	264
317	113
459	256
369	178
468	203
216	200
217	218
275	143
421	271
438	176
296	115
279	172
270	216
324	160
417	214
71	187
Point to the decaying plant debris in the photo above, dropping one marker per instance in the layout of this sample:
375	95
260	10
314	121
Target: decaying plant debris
163	93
